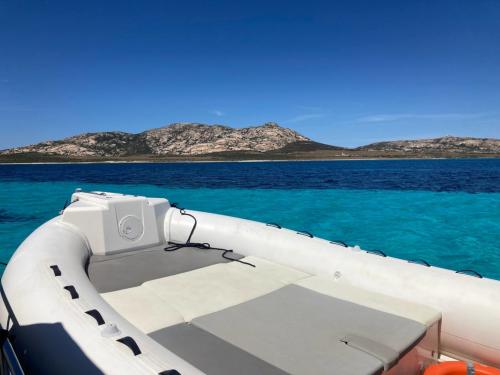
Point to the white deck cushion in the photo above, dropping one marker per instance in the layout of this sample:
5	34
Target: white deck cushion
143	308
213	288
417	312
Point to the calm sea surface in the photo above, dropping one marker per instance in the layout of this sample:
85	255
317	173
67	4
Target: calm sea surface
444	211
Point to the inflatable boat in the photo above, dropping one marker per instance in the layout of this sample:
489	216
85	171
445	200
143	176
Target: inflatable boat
121	284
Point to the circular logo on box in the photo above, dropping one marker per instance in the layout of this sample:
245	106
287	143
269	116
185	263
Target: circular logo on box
131	227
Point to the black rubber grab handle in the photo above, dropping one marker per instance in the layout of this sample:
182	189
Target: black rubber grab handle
376	252
96	315
419	261
305	233
274	225
339	242
470	273
55	268
130	342
72	291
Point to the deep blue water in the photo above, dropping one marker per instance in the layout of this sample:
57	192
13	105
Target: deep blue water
469	175
444	211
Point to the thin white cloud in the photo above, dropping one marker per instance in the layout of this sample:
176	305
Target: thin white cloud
217	113
304	117
430	116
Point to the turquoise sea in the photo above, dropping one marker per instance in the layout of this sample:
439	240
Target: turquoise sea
446	212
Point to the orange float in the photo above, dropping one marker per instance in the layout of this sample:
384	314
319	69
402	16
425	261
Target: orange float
460	368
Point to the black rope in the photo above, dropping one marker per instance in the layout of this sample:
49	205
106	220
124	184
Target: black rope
66	204
173	246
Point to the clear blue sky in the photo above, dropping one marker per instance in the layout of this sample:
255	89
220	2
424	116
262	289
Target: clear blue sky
345	73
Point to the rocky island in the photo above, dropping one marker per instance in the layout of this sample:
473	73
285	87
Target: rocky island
193	141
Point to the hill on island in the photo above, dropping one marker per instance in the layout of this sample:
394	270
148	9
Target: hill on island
193	141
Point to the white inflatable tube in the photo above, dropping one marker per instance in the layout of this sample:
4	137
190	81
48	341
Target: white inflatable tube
61	336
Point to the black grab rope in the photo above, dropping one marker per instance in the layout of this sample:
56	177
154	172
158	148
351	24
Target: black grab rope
173	246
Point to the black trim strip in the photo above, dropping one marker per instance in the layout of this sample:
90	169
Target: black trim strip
170	372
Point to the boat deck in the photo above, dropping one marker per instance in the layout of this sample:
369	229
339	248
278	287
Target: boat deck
228	318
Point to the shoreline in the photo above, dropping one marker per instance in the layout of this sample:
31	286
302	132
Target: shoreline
242	160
